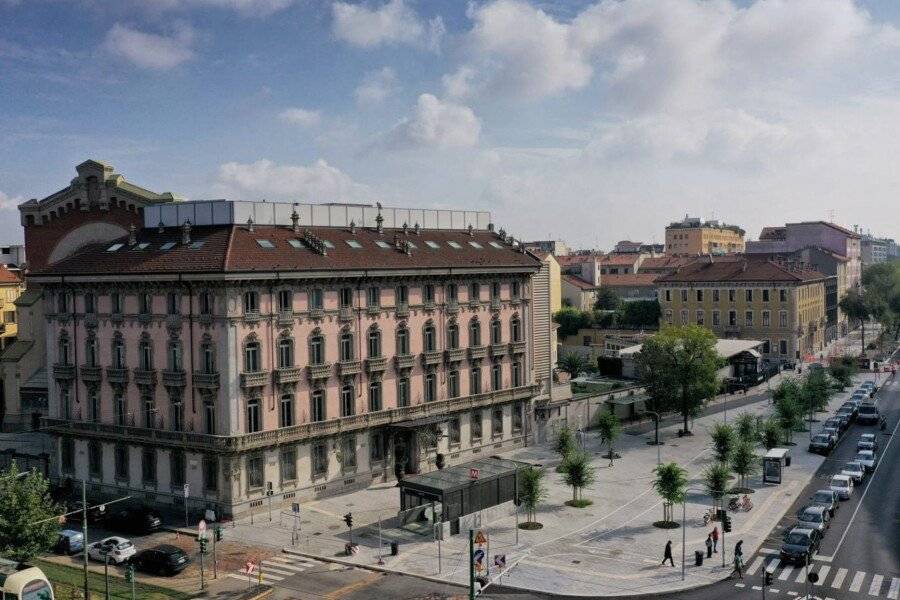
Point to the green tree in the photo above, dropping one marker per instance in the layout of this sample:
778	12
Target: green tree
771	433
723	440
610	429
570	320
815	391
744	462
789	415
745	428
671	484
607	299
678	368
788	388
842	371
578	474
715	480
25	500
639	314
565	443
856	308
532	491
572	363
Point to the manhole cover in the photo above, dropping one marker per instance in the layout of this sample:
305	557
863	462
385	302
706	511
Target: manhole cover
318	533
576	562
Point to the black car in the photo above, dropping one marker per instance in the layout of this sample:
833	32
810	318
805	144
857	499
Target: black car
853	406
836	423
95	514
821	443
799	545
162	560
134	520
868	414
846	412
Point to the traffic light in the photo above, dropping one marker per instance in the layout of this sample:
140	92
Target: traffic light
768	578
220	533
203	545
726	524
348	519
129	573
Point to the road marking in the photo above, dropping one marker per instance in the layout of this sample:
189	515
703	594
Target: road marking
792	593
801	577
280	565
294	560
785	573
894	590
774	590
265	576
754	566
756	588
739	585
875	588
839	578
277	568
766	551
857	581
822	573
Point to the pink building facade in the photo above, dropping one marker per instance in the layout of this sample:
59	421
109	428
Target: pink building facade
233	363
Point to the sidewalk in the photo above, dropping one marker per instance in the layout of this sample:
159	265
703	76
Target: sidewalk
609	548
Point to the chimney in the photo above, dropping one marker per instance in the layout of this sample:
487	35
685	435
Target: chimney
352	228
161	228
295	221
416	228
250	224
470	230
379	221
132	235
491	227
405	228
186	233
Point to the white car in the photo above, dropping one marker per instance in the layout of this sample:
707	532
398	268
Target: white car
869	437
854	470
842	486
118	548
867	459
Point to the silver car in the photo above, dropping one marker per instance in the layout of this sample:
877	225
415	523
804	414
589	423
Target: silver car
814	517
870	437
842	485
854	470
827	499
867	459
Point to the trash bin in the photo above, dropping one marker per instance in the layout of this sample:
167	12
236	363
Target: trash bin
395	548
698	558
787	460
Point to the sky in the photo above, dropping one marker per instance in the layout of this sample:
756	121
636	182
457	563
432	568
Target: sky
589	121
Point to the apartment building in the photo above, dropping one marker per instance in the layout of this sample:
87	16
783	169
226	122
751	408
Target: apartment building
875	250
693	236
757	298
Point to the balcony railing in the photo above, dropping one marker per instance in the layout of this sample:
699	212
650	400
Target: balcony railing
90	320
456	354
251	316
285	435
90	373
498	350
347	368
285	318
173	322
316	313
452	307
373	310
495	303
322	371
404	361
63	372
517	347
434	357
402	310
376	365
117	375
174	378
285	375
206	381
253	379
145	376
428	305
345	313
474	303
476	352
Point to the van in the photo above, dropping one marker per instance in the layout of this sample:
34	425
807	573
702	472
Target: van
69	542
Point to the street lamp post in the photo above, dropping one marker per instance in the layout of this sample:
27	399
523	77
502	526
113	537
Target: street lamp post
655	441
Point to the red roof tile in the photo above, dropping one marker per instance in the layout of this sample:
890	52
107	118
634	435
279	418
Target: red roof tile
7	276
629	280
579	283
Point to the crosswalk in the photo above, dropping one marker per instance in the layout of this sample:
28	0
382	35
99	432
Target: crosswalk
276	568
870	585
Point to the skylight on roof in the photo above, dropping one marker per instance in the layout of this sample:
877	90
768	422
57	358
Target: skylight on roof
328	244
265	244
114	247
196	245
431	244
476	245
142	246
167	246
453	244
296	244
382	244
353	244
411	245
497	245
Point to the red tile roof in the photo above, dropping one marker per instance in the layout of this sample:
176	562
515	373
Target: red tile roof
741	269
7	276
664	262
579	283
629	280
235	249
620	259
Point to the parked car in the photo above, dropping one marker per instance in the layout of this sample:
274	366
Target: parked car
821	443
164	559
852	406
799	545
95	514
867	459
844	418
827	498
140	520
118	548
814	517
835	423
854	470
868	415
865	445
833	432
69	542
846	412
842	485
870	438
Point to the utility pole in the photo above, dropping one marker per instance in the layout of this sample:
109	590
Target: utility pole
683	534
471	564
106	571
84	533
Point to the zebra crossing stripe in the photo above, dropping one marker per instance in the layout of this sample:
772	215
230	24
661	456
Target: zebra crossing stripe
839	578
265	577
822	573
785	573
773	564
754	566
269	567
801	577
875	587
894	590
857	581
280	565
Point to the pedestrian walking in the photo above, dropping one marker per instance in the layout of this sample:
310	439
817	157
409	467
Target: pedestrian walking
667	555
738	559
715	538
709	546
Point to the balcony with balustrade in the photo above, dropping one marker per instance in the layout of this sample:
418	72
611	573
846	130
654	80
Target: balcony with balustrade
404	361
455	355
432	358
286	375
477	352
320	371
145	376
401	311
518	347
176	378
206	381
254	379
63	372
117	375
347	368
452	307
376	364
90	373
499	350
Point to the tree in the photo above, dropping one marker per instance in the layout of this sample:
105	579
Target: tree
610	429
744	462
639	314
771	434
787	411
787	388
723	439
745	428
856	308
572	363
678	368
565	443
570	320
671	484
715	480
607	299
842	371
24	500
532	491
815	390
578	474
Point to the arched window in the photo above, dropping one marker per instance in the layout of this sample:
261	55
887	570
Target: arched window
496	332
145	354
285	353
252	361
475	332
452	335
173	355
515	329
429	338
254	415
347	401
286	412
177	413
346	346
118	352
374	343
90	352
316	349
402	340
63	353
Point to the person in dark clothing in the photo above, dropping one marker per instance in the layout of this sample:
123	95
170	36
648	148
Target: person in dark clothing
667	556
738	559
715	538
709	546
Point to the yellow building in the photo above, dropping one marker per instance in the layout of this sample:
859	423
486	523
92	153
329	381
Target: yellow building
11	287
693	236
781	303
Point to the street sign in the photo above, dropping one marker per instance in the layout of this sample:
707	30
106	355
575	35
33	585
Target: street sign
250	567
201	528
479	560
500	560
473	473
187	490
480	538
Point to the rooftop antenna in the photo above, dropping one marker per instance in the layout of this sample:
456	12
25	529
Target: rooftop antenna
831	215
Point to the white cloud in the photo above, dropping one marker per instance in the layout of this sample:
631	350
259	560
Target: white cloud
460	83
319	182
391	23
376	86
10	202
437	124
150	50
300	116
247	8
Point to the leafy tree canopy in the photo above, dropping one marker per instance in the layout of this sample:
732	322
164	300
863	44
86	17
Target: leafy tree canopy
24	500
570	320
607	299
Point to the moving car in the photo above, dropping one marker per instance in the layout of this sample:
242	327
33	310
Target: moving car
821	443
828	499
814	517
854	470
845	412
870	438
842	485
867	459
118	548
799	545
164	559
868	415
69	542
140	520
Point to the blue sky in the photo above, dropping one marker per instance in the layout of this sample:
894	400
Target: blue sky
590	121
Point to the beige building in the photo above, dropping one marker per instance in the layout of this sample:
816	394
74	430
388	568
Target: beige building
578	293
694	236
11	287
780	303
